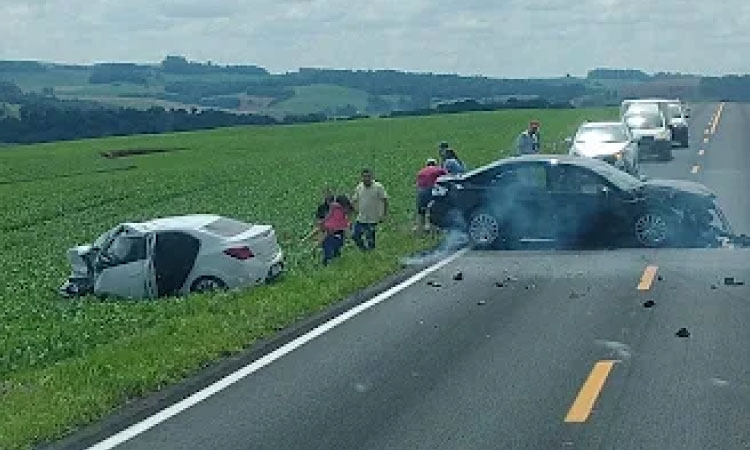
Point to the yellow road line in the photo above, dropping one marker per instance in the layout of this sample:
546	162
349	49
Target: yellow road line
705	140
584	402
701	152
717	118
695	169
647	278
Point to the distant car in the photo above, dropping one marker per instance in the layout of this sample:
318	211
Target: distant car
650	129
610	142
679	124
174	256
571	200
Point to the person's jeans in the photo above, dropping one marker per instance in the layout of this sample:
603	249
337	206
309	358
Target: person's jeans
332	244
368	229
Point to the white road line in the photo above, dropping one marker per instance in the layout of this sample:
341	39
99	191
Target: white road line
161	416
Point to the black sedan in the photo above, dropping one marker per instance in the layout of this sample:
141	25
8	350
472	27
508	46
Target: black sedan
574	201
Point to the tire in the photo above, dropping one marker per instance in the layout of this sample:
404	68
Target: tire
654	229
207	284
483	230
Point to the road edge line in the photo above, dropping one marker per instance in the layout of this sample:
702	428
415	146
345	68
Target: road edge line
232	378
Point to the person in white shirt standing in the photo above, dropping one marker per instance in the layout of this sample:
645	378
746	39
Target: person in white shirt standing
528	142
371	202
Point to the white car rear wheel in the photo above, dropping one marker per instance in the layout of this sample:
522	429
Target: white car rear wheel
207	284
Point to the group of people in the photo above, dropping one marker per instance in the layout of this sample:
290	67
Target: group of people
369	203
370	200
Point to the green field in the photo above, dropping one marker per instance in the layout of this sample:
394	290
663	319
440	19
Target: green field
316	98
66	363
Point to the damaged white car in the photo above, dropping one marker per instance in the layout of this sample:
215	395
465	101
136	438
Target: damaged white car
175	256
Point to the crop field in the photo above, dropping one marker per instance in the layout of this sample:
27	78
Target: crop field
66	363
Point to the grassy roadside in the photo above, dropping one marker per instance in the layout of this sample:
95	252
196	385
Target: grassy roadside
63	364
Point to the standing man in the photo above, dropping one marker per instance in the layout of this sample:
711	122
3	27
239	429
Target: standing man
426	179
442	148
529	142
371	202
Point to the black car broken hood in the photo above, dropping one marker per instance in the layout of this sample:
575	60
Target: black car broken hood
688	187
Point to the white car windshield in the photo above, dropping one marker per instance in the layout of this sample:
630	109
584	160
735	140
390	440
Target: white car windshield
602	134
644	121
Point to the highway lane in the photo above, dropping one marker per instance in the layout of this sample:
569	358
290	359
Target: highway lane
530	350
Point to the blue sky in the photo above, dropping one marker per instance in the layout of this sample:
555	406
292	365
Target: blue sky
505	38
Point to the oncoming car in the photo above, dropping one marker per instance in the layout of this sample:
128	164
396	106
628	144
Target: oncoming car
174	256
574	201
609	141
650	128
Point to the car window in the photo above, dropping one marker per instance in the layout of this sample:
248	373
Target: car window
572	179
126	249
227	227
523	176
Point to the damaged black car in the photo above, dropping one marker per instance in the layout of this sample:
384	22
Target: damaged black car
575	201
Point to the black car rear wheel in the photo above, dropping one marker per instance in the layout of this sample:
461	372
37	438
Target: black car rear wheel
483	229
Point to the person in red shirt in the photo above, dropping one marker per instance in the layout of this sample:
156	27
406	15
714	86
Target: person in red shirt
334	226
426	179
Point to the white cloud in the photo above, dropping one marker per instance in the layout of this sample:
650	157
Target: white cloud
499	38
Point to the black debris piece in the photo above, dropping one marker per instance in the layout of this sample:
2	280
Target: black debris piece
481	302
713	286
499	284
434	284
660	278
458	276
731	281
648	304
683	333
574	295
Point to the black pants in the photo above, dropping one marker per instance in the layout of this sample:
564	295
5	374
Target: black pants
332	244
366	229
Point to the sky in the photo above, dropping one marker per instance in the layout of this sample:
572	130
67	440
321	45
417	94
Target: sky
497	38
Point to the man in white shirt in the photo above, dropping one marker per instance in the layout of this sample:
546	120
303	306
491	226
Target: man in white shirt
371	202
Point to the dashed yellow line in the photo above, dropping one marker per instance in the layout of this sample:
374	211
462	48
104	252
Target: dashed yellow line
695	169
701	152
717	118
581	409
648	278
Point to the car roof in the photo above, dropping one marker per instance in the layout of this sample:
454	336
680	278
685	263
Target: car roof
563	159
175	223
602	124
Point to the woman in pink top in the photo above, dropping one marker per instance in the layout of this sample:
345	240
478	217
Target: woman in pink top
334	227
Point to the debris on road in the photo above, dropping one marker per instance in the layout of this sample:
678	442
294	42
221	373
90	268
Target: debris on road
458	276
481	302
649	304
499	284
508	279
574	295
731	281
713	286
434	284
683	333
660	278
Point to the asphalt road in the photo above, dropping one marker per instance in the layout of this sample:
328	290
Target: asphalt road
531	350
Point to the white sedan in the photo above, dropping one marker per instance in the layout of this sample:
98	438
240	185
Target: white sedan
611	142
174	256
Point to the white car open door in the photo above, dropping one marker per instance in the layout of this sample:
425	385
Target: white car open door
125	267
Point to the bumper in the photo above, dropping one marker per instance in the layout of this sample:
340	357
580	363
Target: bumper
443	215
276	267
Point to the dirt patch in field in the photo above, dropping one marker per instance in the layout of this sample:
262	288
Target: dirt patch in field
124	153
